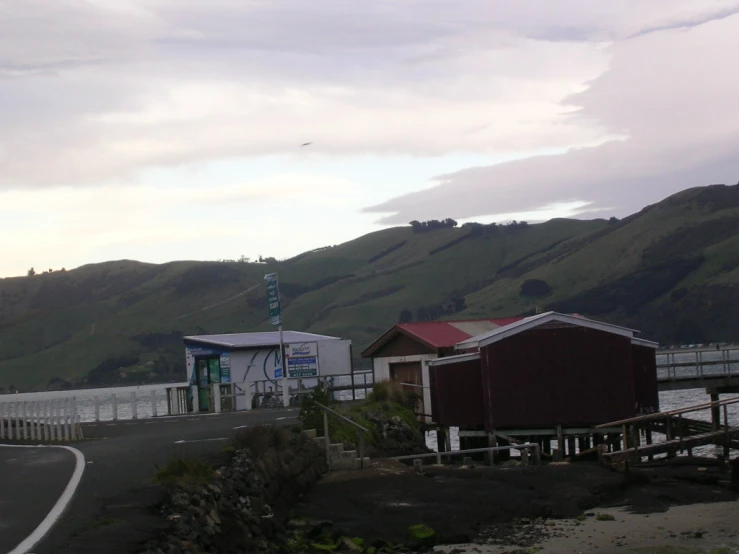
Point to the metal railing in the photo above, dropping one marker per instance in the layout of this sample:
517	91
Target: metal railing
362	431
691	364
523	448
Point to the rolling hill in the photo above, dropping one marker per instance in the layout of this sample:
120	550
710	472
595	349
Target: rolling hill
671	270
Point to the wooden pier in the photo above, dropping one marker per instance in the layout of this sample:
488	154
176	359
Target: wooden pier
716	370
681	434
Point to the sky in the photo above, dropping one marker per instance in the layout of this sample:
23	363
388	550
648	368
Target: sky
160	130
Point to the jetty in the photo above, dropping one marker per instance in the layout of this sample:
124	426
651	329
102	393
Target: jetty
681	434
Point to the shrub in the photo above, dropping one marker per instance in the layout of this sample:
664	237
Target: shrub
310	413
188	473
392	391
258	440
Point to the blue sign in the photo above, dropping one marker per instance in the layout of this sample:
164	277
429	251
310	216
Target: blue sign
278	373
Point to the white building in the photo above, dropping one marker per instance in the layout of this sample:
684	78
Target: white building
252	362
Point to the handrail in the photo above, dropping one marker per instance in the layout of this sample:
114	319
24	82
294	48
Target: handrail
326	408
362	430
659	415
490	449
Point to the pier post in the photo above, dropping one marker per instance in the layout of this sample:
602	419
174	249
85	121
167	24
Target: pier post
715	412
115	407
560	439
195	399
153	403
134	406
216	397
97	409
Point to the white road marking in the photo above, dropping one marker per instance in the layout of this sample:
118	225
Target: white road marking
201	440
56	512
240	427
280	418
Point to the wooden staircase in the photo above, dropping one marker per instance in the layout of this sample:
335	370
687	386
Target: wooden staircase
337	457
681	433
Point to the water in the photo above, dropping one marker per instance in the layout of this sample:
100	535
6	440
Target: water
669	400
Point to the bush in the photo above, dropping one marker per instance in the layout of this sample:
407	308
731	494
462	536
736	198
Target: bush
310	413
392	391
258	440
188	473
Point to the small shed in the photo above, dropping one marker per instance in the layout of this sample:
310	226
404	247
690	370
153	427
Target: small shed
402	352
544	371
248	359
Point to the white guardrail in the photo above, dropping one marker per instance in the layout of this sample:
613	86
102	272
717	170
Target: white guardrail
43	420
36	417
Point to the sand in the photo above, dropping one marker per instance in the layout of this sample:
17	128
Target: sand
698	528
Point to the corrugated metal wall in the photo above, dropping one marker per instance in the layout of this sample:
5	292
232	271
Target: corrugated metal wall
569	376
456	397
645	379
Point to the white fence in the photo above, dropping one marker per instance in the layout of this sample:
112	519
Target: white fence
56	416
43	420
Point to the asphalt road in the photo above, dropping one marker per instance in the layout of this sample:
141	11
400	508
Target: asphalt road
31	481
112	510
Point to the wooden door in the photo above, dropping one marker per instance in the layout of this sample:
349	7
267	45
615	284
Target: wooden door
411	377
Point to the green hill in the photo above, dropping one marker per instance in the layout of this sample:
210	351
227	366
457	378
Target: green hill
671	270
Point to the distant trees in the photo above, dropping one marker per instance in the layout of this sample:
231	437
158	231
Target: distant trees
406	316
432	225
535	288
489	229
31	272
433	312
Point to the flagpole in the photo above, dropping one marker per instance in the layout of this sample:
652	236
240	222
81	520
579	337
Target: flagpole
285	398
275	317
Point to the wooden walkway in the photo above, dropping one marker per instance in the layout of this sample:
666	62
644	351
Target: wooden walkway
681	434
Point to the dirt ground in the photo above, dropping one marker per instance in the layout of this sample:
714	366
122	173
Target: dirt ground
490	505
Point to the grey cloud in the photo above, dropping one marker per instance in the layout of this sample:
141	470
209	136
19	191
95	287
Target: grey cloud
67	65
669	92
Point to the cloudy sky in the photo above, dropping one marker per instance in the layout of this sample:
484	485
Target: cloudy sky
172	129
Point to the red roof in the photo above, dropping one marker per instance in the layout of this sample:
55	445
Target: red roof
440	334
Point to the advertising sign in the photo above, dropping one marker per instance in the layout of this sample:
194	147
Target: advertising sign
302	367
225	367
301	349
273	298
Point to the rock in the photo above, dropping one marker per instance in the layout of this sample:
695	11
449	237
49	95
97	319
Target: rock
419	536
351	545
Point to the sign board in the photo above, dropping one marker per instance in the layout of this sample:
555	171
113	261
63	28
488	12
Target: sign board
225	367
278	373
302	367
301	349
273	298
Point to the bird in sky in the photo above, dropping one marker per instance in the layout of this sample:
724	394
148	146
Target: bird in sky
306	144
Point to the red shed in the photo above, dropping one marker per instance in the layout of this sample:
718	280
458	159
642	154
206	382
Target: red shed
546	370
401	353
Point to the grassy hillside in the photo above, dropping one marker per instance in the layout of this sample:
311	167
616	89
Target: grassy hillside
671	270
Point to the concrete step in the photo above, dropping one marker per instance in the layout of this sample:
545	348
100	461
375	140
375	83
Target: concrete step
335	448
310	433
358	463
321	442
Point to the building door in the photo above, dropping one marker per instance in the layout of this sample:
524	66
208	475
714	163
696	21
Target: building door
411	377
208	371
